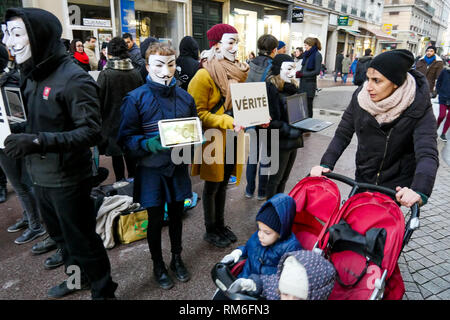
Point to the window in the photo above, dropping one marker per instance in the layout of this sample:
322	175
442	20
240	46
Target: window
395	27
394	13
317	2
354	11
363	14
344	8
332	4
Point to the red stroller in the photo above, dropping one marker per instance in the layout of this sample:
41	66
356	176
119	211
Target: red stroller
363	239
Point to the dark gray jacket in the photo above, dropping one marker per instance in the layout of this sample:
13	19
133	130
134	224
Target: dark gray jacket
308	82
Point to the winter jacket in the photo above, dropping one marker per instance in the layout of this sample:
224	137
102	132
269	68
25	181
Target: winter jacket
320	272
264	260
361	69
403	153
339	59
443	86
114	82
431	71
141	110
206	95
188	61
259	69
85	66
138	61
62	102
346	63
308	82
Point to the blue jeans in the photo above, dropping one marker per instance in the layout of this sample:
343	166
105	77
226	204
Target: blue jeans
344	77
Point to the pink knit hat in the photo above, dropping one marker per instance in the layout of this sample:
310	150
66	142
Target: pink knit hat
215	34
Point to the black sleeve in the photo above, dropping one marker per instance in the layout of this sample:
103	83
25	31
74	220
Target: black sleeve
316	70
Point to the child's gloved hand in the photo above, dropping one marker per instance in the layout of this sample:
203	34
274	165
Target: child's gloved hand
241	285
232	257
153	145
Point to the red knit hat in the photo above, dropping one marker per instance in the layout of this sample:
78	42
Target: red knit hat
215	34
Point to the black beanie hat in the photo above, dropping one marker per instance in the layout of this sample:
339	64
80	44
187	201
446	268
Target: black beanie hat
393	64
432	47
278	61
269	217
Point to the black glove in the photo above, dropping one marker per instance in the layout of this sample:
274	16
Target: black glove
19	145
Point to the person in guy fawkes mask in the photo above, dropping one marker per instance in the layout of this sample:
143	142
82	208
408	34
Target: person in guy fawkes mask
188	61
63	123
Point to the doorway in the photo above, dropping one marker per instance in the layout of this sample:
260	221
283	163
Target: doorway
205	14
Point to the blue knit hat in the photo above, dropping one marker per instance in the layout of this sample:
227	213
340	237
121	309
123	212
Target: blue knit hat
269	217
281	44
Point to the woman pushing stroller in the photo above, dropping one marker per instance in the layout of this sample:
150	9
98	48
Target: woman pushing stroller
392	117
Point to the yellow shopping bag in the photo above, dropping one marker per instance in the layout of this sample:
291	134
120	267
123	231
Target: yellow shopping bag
132	226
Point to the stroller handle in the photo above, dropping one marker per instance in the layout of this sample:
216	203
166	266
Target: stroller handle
413	222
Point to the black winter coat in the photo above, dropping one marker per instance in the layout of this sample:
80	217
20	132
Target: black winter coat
403	153
308	82
188	61
114	85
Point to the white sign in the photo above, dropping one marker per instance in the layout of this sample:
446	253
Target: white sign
250	104
96	23
4	124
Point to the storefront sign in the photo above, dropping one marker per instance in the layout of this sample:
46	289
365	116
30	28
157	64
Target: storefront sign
128	17
297	15
343	21
250	104
97	23
387	27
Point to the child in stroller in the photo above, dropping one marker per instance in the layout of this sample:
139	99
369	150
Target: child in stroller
273	239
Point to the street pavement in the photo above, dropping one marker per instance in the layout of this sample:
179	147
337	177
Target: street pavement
424	263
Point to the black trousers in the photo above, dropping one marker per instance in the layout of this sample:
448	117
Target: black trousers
69	216
119	167
277	181
214	198
310	106
3	180
155	224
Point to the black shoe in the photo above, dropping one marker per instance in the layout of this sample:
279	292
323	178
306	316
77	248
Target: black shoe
217	239
29	235
443	137
19	225
55	260
227	233
62	290
3	193
44	246
162	276
177	266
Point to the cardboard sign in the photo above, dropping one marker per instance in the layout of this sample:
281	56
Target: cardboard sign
4	124
250	104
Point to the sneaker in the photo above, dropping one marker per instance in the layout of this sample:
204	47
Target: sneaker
248	195
29	235
19	225
261	198
227	233
55	260
217	239
62	290
232	180
44	246
443	137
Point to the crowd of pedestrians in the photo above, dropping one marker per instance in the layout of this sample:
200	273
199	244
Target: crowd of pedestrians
48	159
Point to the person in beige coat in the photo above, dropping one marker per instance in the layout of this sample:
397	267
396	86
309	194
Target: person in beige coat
89	48
346	63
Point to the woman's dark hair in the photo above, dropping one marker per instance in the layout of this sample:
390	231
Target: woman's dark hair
73	45
266	44
313	42
118	48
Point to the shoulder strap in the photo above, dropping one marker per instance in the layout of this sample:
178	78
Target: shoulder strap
266	71
218	105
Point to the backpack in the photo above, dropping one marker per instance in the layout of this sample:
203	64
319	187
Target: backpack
360	72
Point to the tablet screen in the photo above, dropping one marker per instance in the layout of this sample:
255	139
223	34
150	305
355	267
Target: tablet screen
176	132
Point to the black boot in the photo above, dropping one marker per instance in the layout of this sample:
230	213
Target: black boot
177	266
161	275
55	260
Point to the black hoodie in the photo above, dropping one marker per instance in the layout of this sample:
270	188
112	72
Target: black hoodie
188	61
62	104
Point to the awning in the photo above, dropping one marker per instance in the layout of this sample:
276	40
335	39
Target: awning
381	35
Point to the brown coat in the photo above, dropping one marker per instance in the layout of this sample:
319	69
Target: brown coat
432	71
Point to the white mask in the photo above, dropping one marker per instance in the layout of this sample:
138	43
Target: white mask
229	46
16	39
161	68
287	71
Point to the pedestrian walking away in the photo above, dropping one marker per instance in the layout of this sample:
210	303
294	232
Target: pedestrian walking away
443	90
346	63
338	67
362	64
63	123
158	180
393	119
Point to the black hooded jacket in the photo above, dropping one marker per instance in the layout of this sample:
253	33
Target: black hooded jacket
62	104
403	153
187	61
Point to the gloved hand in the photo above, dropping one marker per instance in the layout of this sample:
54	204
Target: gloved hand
19	145
299	74
153	145
241	285
232	257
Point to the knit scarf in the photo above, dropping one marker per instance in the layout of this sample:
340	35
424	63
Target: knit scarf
429	60
389	109
312	61
82	57
119	64
223	72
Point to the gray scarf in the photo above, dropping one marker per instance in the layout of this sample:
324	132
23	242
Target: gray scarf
119	64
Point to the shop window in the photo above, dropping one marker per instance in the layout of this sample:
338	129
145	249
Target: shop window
82	14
